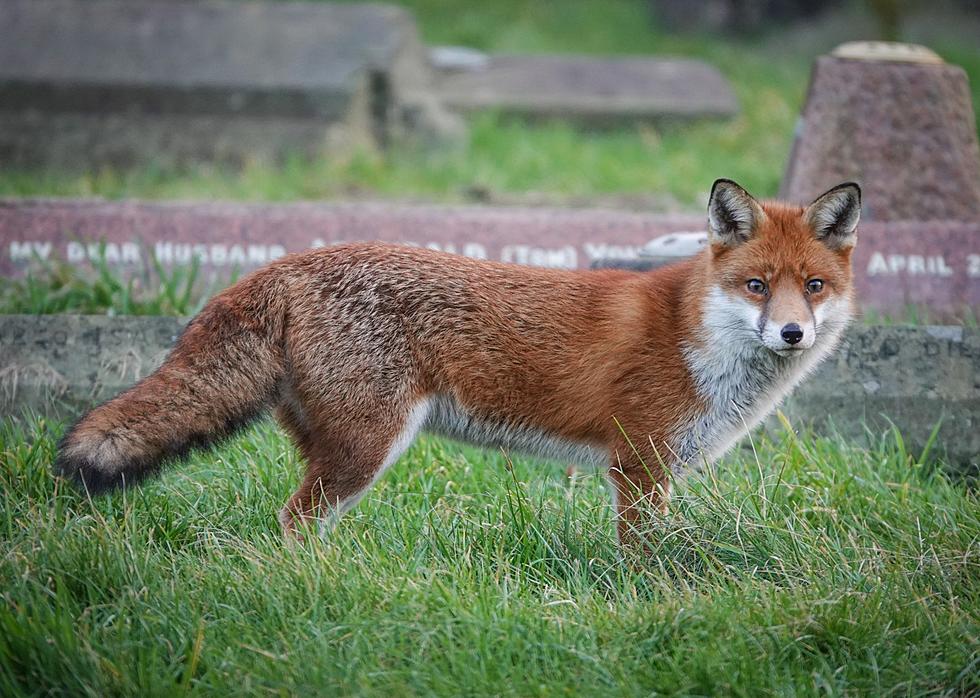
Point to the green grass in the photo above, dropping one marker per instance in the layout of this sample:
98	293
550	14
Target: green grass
674	165
53	286
819	569
816	567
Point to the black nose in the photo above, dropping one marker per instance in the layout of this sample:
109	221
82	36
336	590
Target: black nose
791	333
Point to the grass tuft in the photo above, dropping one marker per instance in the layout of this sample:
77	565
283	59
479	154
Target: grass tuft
54	285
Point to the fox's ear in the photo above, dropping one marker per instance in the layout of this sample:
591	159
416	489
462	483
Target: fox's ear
733	215
834	216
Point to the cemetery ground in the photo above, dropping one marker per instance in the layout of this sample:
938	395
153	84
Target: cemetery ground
665	166
799	565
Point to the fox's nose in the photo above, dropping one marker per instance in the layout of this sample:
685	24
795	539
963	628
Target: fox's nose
791	333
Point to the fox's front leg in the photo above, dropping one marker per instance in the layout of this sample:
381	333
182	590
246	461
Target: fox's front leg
640	492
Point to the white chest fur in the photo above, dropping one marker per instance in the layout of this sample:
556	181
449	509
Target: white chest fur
739	387
740	381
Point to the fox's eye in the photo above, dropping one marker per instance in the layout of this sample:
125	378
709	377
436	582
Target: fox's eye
814	286
756	286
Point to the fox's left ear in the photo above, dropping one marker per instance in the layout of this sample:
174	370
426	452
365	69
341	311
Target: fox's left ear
834	216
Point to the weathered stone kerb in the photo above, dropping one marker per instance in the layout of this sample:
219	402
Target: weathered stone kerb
911	377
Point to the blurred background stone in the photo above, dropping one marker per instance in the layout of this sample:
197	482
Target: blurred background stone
897	122
175	83
592	90
169	82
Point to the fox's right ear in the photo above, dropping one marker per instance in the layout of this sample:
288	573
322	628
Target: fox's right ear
733	215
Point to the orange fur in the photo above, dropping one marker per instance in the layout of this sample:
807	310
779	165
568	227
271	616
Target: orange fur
358	347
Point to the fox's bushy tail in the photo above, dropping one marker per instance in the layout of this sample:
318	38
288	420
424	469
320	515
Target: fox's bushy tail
221	374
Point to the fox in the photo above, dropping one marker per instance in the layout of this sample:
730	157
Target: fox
359	347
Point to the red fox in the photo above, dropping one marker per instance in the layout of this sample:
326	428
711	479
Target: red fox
359	347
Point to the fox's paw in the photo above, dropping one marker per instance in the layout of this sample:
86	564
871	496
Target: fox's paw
295	528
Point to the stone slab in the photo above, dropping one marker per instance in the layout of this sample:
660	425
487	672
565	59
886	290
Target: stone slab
225	235
905	130
58	364
912	378
907	376
73	71
74	142
934	264
591	89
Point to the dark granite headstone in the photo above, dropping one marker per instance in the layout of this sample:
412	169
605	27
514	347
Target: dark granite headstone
590	89
164	81
899	121
932	264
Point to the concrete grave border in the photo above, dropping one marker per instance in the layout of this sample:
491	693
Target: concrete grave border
909	377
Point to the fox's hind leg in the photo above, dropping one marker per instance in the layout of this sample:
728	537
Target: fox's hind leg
344	457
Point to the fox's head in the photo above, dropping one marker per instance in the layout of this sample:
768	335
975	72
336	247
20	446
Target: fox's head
780	274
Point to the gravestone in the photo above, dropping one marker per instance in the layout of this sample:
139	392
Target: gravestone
224	236
897	119
934	265
911	377
56	364
86	82
587	89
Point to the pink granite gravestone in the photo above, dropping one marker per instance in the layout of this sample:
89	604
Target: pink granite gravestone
897	264
899	121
